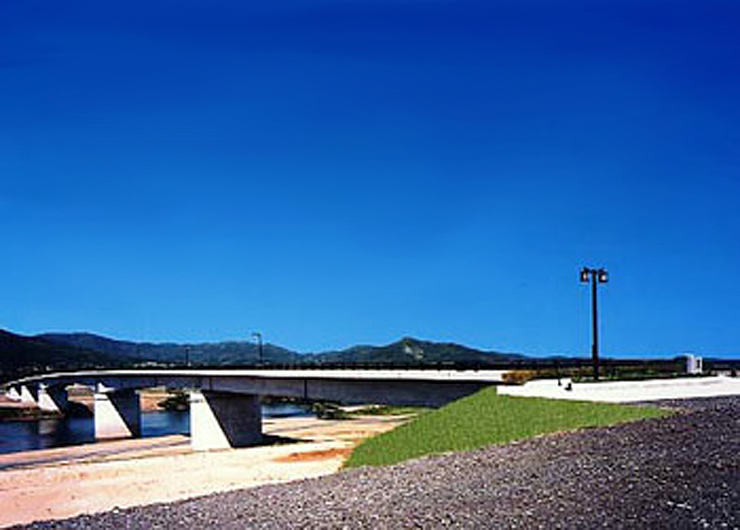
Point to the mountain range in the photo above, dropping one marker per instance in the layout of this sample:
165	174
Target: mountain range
22	355
216	353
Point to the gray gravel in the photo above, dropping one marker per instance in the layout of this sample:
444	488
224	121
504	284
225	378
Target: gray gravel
677	472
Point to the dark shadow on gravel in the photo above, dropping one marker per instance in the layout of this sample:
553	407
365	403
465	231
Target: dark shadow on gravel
272	439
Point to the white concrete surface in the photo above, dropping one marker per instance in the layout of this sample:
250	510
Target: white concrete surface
628	391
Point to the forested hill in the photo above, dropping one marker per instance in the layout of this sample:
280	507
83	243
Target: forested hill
215	353
405	351
21	355
414	351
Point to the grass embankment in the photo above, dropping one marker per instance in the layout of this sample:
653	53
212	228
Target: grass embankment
485	419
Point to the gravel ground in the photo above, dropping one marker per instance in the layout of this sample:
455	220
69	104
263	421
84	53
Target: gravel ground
677	472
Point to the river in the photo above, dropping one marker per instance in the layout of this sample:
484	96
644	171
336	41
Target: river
43	434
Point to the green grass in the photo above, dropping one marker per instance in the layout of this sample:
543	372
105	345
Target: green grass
485	419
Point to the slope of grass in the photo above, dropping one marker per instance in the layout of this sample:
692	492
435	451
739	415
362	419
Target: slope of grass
487	418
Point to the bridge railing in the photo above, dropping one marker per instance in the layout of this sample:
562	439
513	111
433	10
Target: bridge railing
549	367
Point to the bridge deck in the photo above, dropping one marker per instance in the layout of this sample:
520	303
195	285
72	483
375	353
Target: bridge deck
483	376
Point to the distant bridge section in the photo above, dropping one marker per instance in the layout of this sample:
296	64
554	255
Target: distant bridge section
224	404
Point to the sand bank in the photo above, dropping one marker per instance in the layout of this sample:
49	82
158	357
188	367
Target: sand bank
62	482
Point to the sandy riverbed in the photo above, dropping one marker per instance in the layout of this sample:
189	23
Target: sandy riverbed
62	482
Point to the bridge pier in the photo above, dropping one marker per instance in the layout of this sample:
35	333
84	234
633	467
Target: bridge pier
221	420
52	398
13	394
27	395
117	413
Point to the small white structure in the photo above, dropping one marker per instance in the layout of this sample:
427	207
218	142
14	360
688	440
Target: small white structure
694	364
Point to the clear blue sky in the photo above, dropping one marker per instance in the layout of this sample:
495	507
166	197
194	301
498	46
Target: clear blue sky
352	171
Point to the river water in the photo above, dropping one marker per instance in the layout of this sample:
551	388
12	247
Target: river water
42	434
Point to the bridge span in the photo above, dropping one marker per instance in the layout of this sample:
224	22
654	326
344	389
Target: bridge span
224	404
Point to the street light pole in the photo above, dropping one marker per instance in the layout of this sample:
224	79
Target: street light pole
594	276
257	335
595	328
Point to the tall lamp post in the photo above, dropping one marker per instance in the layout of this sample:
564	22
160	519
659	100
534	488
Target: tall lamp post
594	276
257	335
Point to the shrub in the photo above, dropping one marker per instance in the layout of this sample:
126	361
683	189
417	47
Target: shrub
519	377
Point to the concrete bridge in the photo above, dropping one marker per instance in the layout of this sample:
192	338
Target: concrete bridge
224	404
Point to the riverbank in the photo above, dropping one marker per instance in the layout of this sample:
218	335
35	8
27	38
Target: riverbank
11	410
81	398
674	472
64	482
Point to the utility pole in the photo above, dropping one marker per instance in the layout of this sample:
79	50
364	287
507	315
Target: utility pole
257	335
594	276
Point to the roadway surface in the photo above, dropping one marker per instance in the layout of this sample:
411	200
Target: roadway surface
676	472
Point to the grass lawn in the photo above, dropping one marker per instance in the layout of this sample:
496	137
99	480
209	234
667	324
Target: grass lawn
486	418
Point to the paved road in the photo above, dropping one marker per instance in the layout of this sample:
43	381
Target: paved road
679	472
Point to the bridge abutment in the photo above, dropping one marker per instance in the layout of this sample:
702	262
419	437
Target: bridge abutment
117	413
221	420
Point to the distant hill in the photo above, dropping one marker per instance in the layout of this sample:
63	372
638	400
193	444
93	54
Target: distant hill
21	355
414	351
218	353
405	351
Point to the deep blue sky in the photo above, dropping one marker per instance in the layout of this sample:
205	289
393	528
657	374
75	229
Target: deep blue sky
352	171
